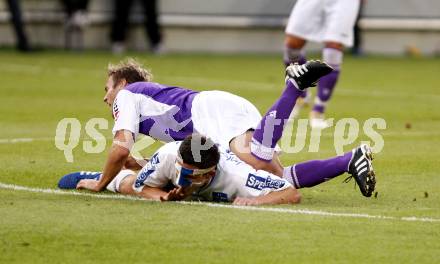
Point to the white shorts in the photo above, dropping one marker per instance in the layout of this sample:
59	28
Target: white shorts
324	20
222	116
113	186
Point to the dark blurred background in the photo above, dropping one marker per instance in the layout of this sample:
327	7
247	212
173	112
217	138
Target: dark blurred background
232	26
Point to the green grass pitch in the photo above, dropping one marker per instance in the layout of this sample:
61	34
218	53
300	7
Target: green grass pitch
38	90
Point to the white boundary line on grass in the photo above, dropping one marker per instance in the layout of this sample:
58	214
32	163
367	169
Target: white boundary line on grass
247	208
18	140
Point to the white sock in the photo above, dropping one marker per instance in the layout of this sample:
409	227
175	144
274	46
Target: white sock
333	57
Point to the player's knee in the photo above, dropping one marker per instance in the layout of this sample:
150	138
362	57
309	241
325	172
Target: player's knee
126	185
334	45
294	42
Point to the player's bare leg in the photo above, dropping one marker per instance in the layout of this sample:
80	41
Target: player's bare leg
122	183
293	51
126	185
332	54
241	147
294	42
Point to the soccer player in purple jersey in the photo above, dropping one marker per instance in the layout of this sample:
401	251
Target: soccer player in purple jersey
171	113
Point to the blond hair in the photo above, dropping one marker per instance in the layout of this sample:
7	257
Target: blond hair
130	70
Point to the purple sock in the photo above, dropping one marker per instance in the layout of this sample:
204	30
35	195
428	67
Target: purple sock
270	129
319	106
326	86
314	172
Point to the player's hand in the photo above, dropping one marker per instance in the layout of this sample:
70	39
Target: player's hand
88	184
245	201
175	194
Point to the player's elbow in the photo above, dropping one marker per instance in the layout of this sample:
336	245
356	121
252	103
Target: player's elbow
119	152
294	197
289	196
297	198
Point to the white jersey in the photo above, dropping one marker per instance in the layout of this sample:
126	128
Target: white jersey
233	177
324	20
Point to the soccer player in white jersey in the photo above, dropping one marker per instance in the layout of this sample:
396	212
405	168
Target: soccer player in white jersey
217	176
326	21
195	169
175	173
170	113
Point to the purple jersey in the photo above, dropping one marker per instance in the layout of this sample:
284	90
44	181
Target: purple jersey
159	111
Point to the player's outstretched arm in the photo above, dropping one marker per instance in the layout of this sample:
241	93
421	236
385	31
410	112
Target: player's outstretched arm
119	152
175	194
158	194
287	196
153	193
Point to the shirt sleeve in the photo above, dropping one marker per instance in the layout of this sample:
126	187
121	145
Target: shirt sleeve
234	178
126	113
255	183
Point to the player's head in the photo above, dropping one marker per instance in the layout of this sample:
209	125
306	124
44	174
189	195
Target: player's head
119	75
197	160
